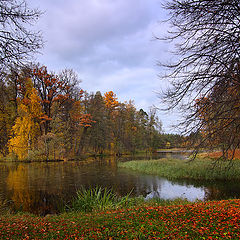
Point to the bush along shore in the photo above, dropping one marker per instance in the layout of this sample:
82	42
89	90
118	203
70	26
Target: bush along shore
176	220
199	169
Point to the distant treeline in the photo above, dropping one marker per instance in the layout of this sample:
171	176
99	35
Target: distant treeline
48	116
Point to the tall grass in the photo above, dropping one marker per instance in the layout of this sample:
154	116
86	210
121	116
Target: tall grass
98	198
205	169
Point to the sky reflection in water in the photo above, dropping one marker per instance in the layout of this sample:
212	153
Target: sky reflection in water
44	187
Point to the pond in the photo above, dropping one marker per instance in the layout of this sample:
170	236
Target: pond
42	187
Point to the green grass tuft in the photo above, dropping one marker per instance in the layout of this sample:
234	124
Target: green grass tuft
98	198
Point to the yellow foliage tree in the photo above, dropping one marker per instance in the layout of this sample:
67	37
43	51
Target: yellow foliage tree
27	125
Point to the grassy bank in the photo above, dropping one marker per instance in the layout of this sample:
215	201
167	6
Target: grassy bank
200	168
205	220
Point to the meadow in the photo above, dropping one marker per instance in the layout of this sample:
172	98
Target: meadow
199	169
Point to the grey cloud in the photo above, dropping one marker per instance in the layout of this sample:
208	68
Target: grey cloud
108	42
78	27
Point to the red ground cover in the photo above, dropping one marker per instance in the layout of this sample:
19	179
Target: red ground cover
207	220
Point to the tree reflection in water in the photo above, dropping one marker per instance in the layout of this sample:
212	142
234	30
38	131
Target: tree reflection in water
43	188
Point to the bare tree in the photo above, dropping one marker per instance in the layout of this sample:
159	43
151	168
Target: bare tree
205	77
17	42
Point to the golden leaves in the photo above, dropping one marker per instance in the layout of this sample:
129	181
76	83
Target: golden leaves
27	125
110	100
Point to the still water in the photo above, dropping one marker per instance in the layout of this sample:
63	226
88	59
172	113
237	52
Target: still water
42	187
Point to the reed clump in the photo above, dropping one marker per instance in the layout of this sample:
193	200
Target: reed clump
97	199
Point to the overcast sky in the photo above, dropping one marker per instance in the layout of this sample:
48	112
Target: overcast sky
110	44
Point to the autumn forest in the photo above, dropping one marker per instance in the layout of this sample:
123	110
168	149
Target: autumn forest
48	116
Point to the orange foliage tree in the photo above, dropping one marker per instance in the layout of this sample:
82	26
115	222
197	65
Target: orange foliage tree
82	121
110	100
50	89
111	103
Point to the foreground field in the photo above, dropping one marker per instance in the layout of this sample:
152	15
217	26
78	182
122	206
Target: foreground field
209	220
200	168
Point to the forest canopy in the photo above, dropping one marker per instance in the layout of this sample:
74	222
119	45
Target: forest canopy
48	116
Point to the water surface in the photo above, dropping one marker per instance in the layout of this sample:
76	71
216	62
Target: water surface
43	187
